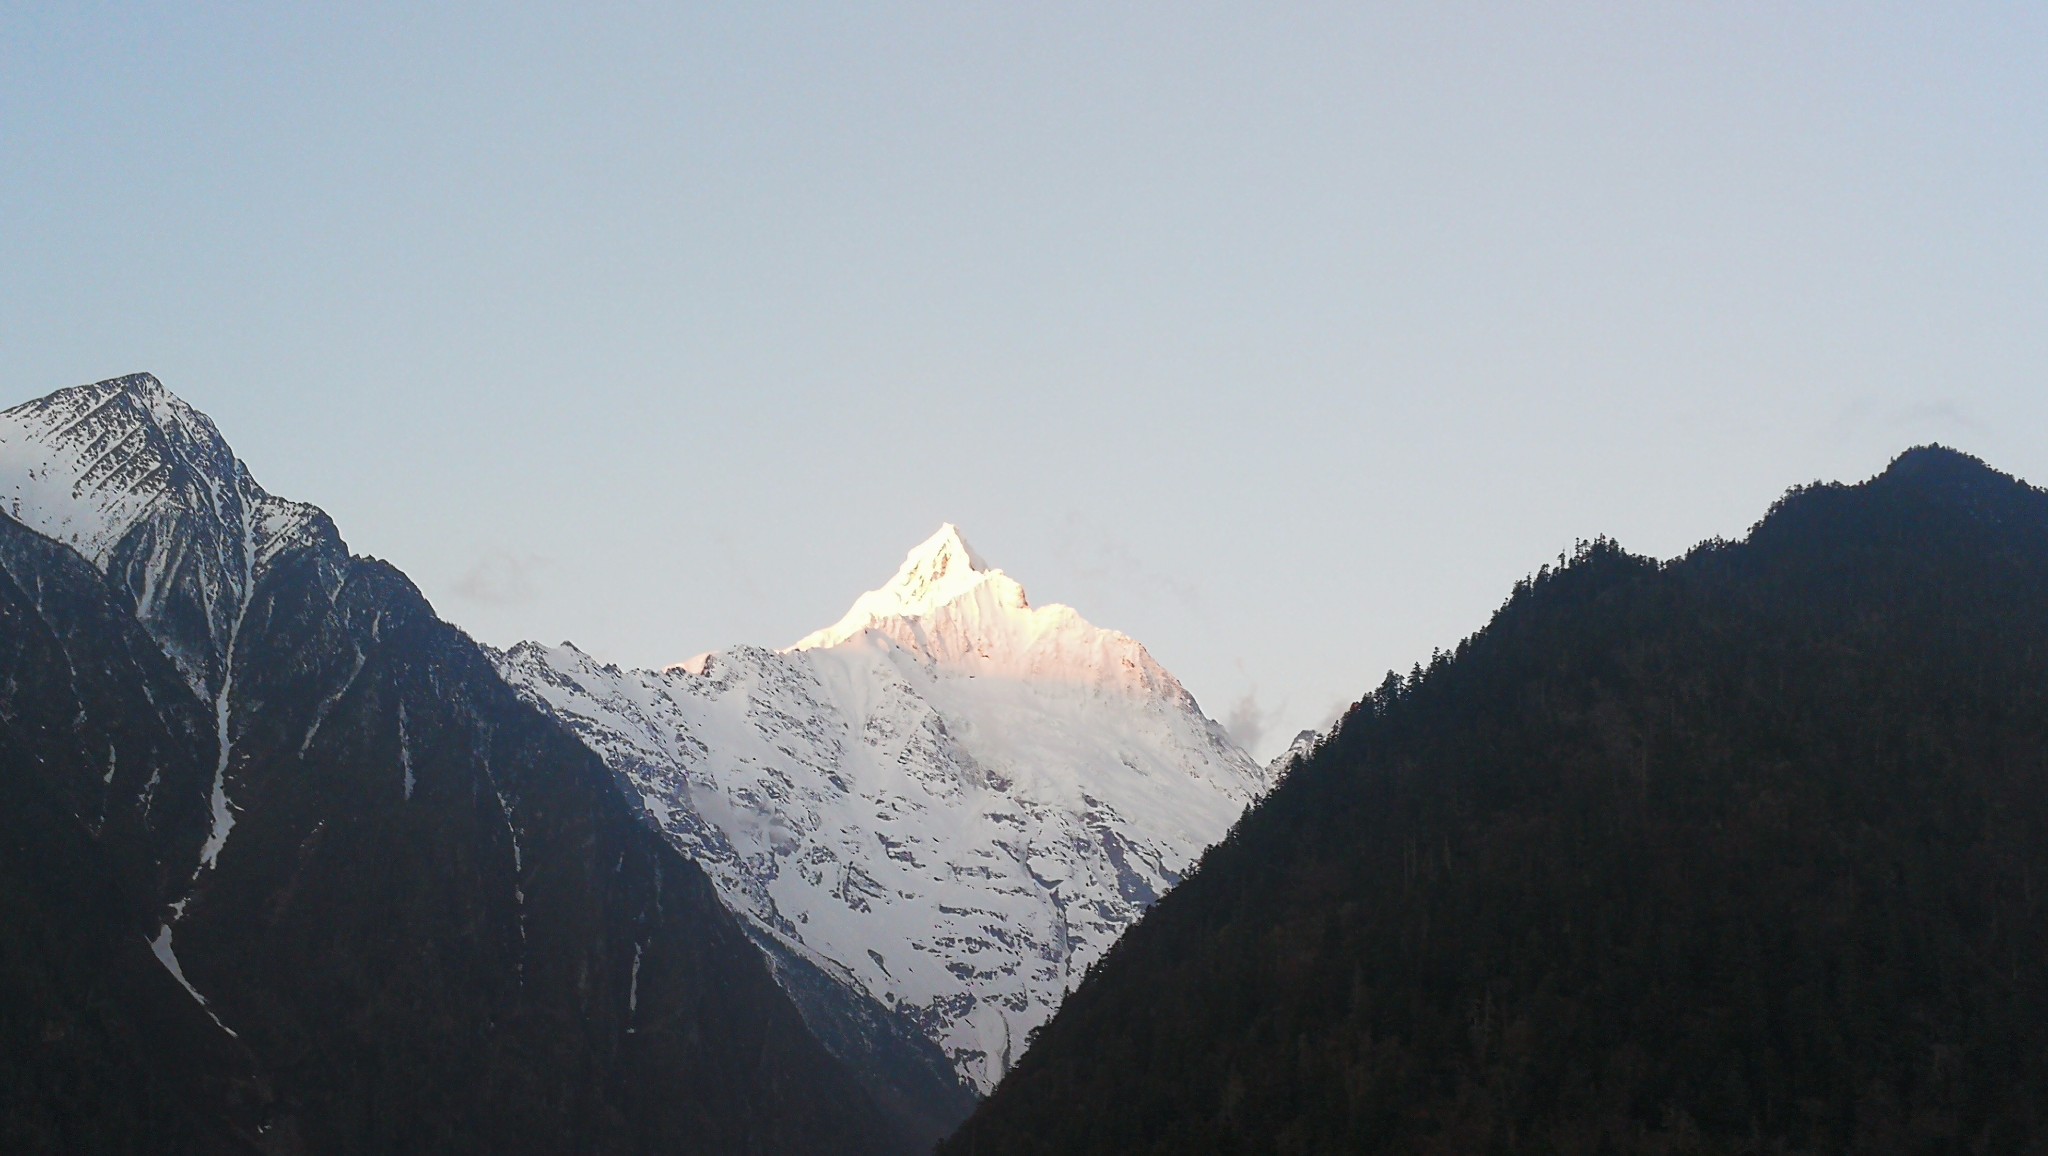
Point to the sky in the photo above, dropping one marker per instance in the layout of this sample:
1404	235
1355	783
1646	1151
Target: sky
1283	339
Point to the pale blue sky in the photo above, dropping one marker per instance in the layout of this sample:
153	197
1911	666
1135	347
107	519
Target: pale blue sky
1285	342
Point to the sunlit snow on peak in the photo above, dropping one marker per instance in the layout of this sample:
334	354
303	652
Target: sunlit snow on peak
938	570
980	792
697	664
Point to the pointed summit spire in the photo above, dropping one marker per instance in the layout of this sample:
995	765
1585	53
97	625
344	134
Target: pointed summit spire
940	562
143	385
935	572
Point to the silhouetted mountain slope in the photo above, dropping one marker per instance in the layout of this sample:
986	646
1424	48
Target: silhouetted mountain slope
1747	852
108	759
290	868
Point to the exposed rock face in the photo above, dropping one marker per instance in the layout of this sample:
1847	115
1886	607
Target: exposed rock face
948	803
144	487
339	888
1303	746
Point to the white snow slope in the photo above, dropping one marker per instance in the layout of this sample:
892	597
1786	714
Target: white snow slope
114	470
952	800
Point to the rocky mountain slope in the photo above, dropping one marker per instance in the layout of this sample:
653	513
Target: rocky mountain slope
946	805
288	868
1743	852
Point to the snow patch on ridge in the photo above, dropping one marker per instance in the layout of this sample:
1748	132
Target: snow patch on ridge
223	814
633	985
161	948
405	754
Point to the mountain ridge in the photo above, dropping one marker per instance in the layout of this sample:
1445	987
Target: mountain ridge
369	898
1729	853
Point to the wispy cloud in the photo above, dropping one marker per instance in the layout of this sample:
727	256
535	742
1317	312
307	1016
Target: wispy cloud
1932	417
501	578
1248	720
1093	554
1937	414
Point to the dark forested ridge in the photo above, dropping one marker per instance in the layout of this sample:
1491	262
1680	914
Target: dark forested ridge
1745	852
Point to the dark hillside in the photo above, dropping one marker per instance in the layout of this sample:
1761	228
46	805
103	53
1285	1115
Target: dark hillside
286	867
105	762
1747	852
435	925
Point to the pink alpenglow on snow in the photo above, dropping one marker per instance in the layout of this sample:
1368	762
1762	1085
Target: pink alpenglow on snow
950	800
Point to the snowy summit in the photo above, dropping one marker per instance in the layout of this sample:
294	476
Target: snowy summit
940	569
950	801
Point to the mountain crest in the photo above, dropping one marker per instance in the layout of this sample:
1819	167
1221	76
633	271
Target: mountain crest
144	487
938	571
936	564
1935	465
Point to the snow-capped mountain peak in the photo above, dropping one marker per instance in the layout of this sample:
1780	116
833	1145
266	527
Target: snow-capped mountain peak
951	801
85	464
146	489
950	609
